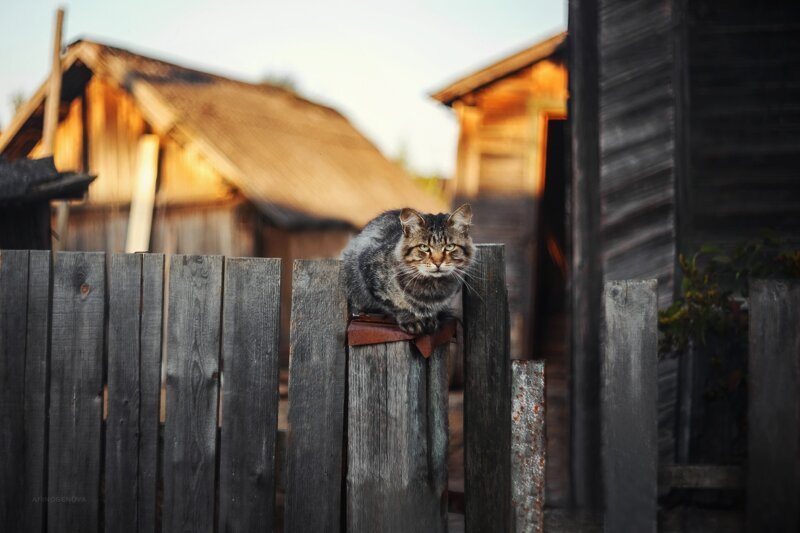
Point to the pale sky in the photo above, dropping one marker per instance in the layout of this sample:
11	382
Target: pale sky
376	62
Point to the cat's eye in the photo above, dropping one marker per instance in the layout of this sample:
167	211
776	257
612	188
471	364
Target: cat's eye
424	248
449	247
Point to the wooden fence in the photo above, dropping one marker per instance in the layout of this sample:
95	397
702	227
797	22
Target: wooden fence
629	417
84	338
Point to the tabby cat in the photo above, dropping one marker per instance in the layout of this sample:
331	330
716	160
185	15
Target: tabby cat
409	265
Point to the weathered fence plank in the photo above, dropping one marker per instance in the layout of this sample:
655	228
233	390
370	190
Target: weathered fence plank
13	326
773	413
629	377
528	445
134	359
487	395
150	387
76	392
193	342
397	439
36	391
316	404
250	362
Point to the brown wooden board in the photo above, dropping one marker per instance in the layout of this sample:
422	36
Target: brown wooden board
135	288
397	439
13	325
190	431
629	373
250	360
317	371
487	395
773	412
76	392
37	357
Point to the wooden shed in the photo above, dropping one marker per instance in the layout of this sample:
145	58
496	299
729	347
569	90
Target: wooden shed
215	165
511	165
685	132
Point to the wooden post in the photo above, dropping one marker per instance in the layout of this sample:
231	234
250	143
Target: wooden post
190	431
528	446
629	411
317	373
586	274
397	439
51	112
135	305
773	412
487	394
250	359
76	392
140	219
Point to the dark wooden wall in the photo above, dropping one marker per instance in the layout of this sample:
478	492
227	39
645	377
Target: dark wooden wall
744	121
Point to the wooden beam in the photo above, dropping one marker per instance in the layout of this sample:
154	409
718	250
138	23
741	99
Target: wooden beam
51	108
140	219
586	274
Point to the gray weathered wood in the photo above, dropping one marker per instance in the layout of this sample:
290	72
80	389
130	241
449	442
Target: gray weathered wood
190	431
586	272
528	445
134	359
316	398
149	388
250	361
122	423
487	395
397	439
628	406
37	357
76	392
773	413
13	325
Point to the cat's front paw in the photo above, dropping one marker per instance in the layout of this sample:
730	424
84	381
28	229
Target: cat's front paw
420	326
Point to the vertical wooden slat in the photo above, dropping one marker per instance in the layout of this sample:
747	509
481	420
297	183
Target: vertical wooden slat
487	395
134	357
250	360
36	388
13	318
76	392
397	439
629	406
193	341
122	454
316	398
528	445
773	412
149	388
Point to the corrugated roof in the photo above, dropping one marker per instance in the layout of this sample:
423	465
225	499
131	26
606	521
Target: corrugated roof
301	162
500	69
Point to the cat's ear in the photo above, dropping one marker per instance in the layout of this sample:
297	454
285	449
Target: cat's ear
461	219
411	221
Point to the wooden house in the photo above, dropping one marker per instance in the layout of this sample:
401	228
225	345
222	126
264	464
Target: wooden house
511	115
685	131
195	163
511	166
213	165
